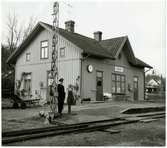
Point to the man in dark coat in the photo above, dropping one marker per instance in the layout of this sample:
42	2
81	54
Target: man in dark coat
61	96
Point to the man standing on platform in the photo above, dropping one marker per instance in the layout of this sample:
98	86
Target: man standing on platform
61	96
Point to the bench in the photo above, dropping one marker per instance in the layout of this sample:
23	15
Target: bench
85	100
121	97
23	101
31	101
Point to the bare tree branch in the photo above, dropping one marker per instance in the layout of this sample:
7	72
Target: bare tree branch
16	32
29	28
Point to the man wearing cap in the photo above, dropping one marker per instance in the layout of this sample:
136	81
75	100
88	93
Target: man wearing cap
61	96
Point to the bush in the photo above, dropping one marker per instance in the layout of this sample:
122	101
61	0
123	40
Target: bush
15	105
23	105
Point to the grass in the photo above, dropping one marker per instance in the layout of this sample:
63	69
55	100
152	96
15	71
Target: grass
25	123
29	117
7	103
155	97
137	134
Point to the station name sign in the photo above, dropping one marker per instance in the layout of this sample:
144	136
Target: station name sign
119	69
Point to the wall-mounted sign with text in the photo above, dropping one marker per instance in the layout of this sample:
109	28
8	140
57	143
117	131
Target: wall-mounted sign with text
119	69
50	81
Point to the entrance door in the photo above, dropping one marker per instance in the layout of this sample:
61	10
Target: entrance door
135	87
99	85
49	81
27	84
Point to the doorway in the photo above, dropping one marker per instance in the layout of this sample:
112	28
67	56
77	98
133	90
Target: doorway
99	86
27	84
135	87
49	82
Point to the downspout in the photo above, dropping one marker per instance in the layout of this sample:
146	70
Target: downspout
81	75
81	93
144	86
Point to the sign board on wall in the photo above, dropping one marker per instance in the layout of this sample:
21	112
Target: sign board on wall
50	81
119	69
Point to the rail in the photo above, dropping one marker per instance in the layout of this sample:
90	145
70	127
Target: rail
27	134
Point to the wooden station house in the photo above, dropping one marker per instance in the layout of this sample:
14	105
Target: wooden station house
100	66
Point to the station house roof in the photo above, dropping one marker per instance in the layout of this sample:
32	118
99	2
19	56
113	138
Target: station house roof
109	48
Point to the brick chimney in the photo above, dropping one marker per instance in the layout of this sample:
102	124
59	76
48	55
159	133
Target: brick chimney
69	26
98	36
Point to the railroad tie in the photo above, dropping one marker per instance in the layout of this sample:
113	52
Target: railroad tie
111	131
148	120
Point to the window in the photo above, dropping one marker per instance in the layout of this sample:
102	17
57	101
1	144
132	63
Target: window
118	83
44	50
99	74
99	83
27	56
62	52
135	82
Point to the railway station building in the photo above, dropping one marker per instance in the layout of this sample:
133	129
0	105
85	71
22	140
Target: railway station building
99	66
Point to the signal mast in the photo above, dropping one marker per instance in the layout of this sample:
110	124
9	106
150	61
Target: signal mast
54	61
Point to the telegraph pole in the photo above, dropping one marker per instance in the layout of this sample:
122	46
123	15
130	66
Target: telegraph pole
54	61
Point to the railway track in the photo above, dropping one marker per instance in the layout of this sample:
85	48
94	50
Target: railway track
27	134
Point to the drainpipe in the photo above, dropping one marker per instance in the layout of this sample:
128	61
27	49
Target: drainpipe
81	78
81	74
144	86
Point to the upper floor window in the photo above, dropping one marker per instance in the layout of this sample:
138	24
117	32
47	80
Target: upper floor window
62	52
44	50
27	56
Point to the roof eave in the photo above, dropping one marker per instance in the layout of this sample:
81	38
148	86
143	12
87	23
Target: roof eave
148	66
11	59
121	46
99	56
142	66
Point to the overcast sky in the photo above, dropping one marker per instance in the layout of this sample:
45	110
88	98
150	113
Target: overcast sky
143	21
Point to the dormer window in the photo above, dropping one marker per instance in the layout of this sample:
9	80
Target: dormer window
27	56
62	52
44	50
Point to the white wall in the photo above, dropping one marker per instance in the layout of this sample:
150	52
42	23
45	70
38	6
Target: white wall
69	66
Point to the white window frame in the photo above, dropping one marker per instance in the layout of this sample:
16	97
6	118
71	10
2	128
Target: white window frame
44	50
28	56
121	88
62	49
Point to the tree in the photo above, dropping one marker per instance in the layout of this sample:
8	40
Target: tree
17	32
14	33
5	54
161	80
29	27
